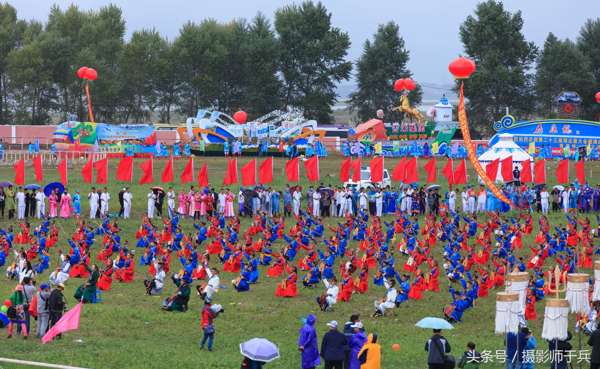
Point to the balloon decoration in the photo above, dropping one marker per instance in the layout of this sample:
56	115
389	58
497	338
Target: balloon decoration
240	117
396	347
462	68
88	74
380	114
409	84
399	85
7	303
81	72
598	97
4	309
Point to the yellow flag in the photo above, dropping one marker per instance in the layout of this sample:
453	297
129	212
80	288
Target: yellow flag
434	148
567	151
119	144
589	149
532	147
378	148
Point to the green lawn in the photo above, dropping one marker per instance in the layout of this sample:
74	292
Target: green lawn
129	329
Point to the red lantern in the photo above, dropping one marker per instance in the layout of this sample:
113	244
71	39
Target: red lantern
462	68
81	72
91	74
240	117
409	84
598	97
399	85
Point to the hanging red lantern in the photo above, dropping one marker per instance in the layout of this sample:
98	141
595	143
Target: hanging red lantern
91	74
240	117
462	68
81	72
598	97
399	85
409	84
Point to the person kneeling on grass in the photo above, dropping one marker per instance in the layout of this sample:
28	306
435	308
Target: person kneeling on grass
88	289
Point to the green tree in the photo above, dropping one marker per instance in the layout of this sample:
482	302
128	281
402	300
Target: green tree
11	32
560	67
167	82
492	38
382	62
312	59
263	93
589	44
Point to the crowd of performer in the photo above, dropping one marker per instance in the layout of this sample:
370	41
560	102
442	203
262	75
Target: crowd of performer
402	256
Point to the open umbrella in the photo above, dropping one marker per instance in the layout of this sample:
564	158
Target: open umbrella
158	189
259	349
560	188
32	187
433	187
434	323
295	188
327	190
538	186
48	189
5	184
251	194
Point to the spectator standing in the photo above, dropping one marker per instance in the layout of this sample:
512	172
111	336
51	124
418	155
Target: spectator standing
437	347
17	316
370	354
349	332
594	341
121	202
528	358
471	358
29	290
57	305
43	309
563	346
208	314
332	347
308	344
356	343
514	354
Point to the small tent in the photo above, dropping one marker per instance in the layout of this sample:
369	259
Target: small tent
504	148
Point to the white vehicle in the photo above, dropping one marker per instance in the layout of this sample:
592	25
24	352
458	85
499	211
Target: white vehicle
365	180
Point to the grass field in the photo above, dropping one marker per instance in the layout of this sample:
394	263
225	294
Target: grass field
129	329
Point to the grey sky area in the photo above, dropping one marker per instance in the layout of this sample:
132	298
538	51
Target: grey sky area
429	27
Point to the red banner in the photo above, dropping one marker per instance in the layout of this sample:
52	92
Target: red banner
464	127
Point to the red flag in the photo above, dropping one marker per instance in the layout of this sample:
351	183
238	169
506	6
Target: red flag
62	170
506	169
399	173
125	169
231	175
188	173
312	169
412	173
345	171
265	171
203	177
539	169
67	322
167	174
88	171
376	166
460	173
101	170
292	168
357	169
148	168
249	174
449	172
77	143
20	172
280	146
562	173
580	171
526	176
37	165
431	171
491	170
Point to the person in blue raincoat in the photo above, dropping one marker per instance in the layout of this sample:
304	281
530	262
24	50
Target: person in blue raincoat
347	150
308	344
479	150
187	149
226	148
53	149
176	151
264	148
2	150
30	149
164	152
309	151
323	149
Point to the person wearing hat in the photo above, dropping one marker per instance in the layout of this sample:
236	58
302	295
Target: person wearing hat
155	284
16	314
308	344
43	310
332	347
57	304
356	343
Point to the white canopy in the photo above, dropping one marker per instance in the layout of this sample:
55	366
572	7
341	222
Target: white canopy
504	148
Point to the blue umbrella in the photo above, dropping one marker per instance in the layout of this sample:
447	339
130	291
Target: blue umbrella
52	186
32	187
259	349
4	319
434	323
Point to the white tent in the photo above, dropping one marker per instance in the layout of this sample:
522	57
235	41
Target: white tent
504	148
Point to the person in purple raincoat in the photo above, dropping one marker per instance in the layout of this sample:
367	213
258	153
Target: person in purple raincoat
597	198
426	152
308	344
587	198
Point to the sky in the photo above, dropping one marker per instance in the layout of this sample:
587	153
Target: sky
429	27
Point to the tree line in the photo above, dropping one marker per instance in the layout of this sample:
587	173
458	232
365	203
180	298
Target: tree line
259	66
